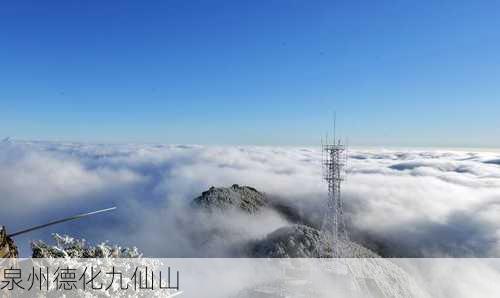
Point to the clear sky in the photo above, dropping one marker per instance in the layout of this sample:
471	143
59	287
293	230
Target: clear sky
251	72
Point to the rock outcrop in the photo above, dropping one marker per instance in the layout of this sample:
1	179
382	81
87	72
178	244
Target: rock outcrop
245	198
7	247
300	241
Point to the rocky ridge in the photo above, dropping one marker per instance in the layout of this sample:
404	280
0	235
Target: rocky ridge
245	198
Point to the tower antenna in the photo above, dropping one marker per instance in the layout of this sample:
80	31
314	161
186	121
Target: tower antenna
334	159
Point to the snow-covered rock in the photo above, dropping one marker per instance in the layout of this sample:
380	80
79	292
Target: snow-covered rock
68	247
300	241
245	198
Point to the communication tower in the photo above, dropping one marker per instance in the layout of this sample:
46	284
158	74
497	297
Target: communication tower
334	159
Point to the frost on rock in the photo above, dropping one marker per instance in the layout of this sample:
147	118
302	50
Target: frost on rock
69	247
128	263
300	241
245	198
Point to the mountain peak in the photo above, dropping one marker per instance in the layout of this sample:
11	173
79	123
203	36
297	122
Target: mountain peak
245	198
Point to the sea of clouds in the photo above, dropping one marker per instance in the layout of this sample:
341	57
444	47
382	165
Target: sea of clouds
423	203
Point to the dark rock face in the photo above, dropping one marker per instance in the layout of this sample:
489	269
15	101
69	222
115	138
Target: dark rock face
7	247
300	241
245	198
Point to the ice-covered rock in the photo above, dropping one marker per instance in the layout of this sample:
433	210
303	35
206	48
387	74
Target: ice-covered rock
245	198
300	241
68	247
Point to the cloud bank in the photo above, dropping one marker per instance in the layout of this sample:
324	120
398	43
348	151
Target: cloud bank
401	203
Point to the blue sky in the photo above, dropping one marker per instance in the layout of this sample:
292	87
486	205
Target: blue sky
398	73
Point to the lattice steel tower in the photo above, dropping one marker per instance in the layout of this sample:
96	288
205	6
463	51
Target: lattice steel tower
334	160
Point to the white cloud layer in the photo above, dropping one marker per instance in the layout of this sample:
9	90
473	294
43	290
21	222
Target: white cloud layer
405	203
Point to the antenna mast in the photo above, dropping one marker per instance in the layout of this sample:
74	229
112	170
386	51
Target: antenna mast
334	161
